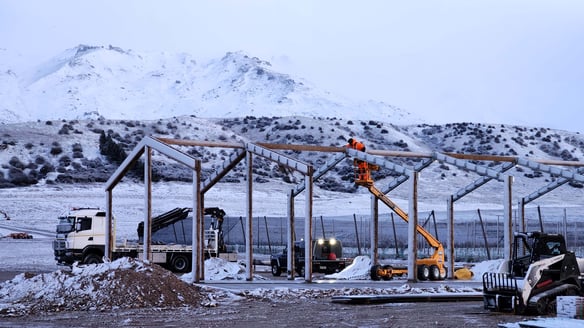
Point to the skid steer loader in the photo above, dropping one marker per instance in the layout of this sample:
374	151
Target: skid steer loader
541	268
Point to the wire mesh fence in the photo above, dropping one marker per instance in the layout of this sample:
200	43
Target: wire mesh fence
478	235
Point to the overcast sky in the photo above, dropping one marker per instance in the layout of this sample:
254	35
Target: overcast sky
507	61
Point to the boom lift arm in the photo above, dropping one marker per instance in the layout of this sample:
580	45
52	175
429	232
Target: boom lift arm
432	241
428	268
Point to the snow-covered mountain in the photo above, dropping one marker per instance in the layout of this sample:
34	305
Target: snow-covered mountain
64	108
96	81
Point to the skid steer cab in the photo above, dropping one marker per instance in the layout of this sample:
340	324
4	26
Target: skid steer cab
540	270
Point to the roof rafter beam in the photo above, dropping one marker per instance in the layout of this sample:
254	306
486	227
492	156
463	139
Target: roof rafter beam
320	172
547	188
403	178
328	149
155	144
465	164
121	171
171	152
279	158
481	181
193	143
568	174
226	166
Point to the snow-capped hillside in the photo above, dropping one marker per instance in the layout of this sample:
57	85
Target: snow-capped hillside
56	152
89	82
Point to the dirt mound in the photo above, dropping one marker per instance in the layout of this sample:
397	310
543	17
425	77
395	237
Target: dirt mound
123	284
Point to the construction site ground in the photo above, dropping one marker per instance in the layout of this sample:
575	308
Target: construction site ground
251	310
265	313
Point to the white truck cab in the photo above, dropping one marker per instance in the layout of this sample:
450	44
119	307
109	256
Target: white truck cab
80	236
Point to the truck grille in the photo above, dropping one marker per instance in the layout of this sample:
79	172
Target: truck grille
59	245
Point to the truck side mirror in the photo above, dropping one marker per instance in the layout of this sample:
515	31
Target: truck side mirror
77	226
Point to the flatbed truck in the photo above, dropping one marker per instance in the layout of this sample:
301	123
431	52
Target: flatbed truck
81	238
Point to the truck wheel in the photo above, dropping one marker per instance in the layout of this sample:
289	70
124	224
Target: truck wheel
180	263
423	272
375	273
92	259
300	271
388	272
434	272
445	274
276	271
552	307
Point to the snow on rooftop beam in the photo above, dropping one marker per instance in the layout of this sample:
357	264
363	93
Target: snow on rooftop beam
279	158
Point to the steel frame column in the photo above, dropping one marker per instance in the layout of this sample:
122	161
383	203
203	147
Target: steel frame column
147	203
197	257
508	214
412	225
290	238
308	230
450	237
109	242
248	220
374	230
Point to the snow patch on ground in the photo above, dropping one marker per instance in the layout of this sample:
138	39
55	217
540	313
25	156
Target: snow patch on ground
220	269
546	323
485	266
358	270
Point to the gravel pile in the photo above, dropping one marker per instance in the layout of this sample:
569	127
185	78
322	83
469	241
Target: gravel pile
123	284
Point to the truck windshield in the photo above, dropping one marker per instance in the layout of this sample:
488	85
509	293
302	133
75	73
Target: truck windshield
66	224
